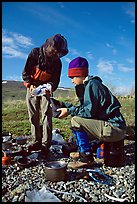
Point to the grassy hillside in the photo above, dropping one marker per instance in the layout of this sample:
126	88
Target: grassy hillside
15	90
14	109
15	115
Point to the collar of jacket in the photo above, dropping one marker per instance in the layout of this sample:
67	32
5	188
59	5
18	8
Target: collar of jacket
87	79
91	78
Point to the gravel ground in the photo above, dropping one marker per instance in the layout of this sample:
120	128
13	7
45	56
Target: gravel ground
17	182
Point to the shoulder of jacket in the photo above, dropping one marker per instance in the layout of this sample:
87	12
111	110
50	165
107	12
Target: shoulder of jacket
34	52
94	81
58	61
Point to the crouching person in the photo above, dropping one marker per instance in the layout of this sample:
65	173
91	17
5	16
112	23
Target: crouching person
97	116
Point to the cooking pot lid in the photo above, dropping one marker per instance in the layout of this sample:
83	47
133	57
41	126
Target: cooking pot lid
24	161
20	138
56	165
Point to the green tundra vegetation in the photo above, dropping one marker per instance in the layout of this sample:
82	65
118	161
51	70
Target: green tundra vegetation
15	116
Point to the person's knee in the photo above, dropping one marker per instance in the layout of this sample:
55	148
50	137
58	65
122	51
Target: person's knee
75	122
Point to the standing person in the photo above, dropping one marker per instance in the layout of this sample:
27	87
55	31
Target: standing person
97	116
43	66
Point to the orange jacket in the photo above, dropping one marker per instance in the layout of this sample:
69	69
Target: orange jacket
39	75
36	72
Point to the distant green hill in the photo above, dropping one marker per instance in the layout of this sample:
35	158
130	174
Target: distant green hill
15	90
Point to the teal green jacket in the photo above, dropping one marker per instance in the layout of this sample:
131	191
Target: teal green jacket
97	102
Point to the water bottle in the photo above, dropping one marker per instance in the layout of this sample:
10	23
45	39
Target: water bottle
100	151
6	159
57	137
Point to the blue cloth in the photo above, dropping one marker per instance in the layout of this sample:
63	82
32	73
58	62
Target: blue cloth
75	136
82	140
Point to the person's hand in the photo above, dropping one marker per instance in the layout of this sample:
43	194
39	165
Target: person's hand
49	89
63	113
31	88
47	92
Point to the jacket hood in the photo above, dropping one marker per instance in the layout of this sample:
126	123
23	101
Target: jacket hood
59	42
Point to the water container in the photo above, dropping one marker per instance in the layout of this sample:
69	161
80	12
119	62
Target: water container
57	138
100	151
6	159
114	153
94	145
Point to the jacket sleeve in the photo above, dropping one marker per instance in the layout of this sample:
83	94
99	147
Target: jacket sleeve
68	105
87	109
30	63
56	75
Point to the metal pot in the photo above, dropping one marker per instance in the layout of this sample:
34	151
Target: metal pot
21	140
24	161
6	145
56	171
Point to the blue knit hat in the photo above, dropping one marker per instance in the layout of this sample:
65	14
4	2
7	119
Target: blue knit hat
78	67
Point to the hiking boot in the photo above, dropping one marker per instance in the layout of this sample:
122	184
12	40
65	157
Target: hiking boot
85	159
86	156
80	164
74	155
82	156
77	164
94	145
35	147
44	152
69	147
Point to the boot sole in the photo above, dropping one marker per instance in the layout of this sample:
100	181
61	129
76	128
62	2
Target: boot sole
74	155
77	165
